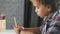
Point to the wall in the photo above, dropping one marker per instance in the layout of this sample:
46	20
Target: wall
12	8
34	18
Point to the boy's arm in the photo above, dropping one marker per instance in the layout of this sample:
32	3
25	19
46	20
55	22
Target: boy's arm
34	30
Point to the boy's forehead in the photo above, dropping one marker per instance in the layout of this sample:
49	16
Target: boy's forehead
33	0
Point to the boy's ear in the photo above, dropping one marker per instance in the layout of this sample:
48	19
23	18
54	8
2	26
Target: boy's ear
49	8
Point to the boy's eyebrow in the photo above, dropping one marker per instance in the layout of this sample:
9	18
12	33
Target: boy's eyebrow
36	6
30	0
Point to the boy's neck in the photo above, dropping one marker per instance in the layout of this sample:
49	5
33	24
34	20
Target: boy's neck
49	15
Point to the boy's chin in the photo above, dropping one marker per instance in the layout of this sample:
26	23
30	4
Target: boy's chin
40	16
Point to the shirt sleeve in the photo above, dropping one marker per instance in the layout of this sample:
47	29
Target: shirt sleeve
55	29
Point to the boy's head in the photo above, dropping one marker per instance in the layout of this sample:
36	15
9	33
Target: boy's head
44	7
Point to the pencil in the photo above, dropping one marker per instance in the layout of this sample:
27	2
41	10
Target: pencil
15	23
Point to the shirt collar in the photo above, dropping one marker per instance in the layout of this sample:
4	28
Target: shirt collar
53	16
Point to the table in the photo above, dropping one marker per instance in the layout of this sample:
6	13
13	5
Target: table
13	32
8	32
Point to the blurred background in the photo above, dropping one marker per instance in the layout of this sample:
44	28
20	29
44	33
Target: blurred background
24	12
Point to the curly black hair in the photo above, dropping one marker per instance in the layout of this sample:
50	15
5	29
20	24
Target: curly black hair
52	3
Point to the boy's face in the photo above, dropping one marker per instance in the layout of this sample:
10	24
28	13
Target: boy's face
40	9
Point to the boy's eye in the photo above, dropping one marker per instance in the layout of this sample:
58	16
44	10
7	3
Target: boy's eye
37	7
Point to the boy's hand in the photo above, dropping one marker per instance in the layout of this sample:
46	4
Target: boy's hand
18	29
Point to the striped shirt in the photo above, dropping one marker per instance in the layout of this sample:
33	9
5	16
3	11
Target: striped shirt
51	25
